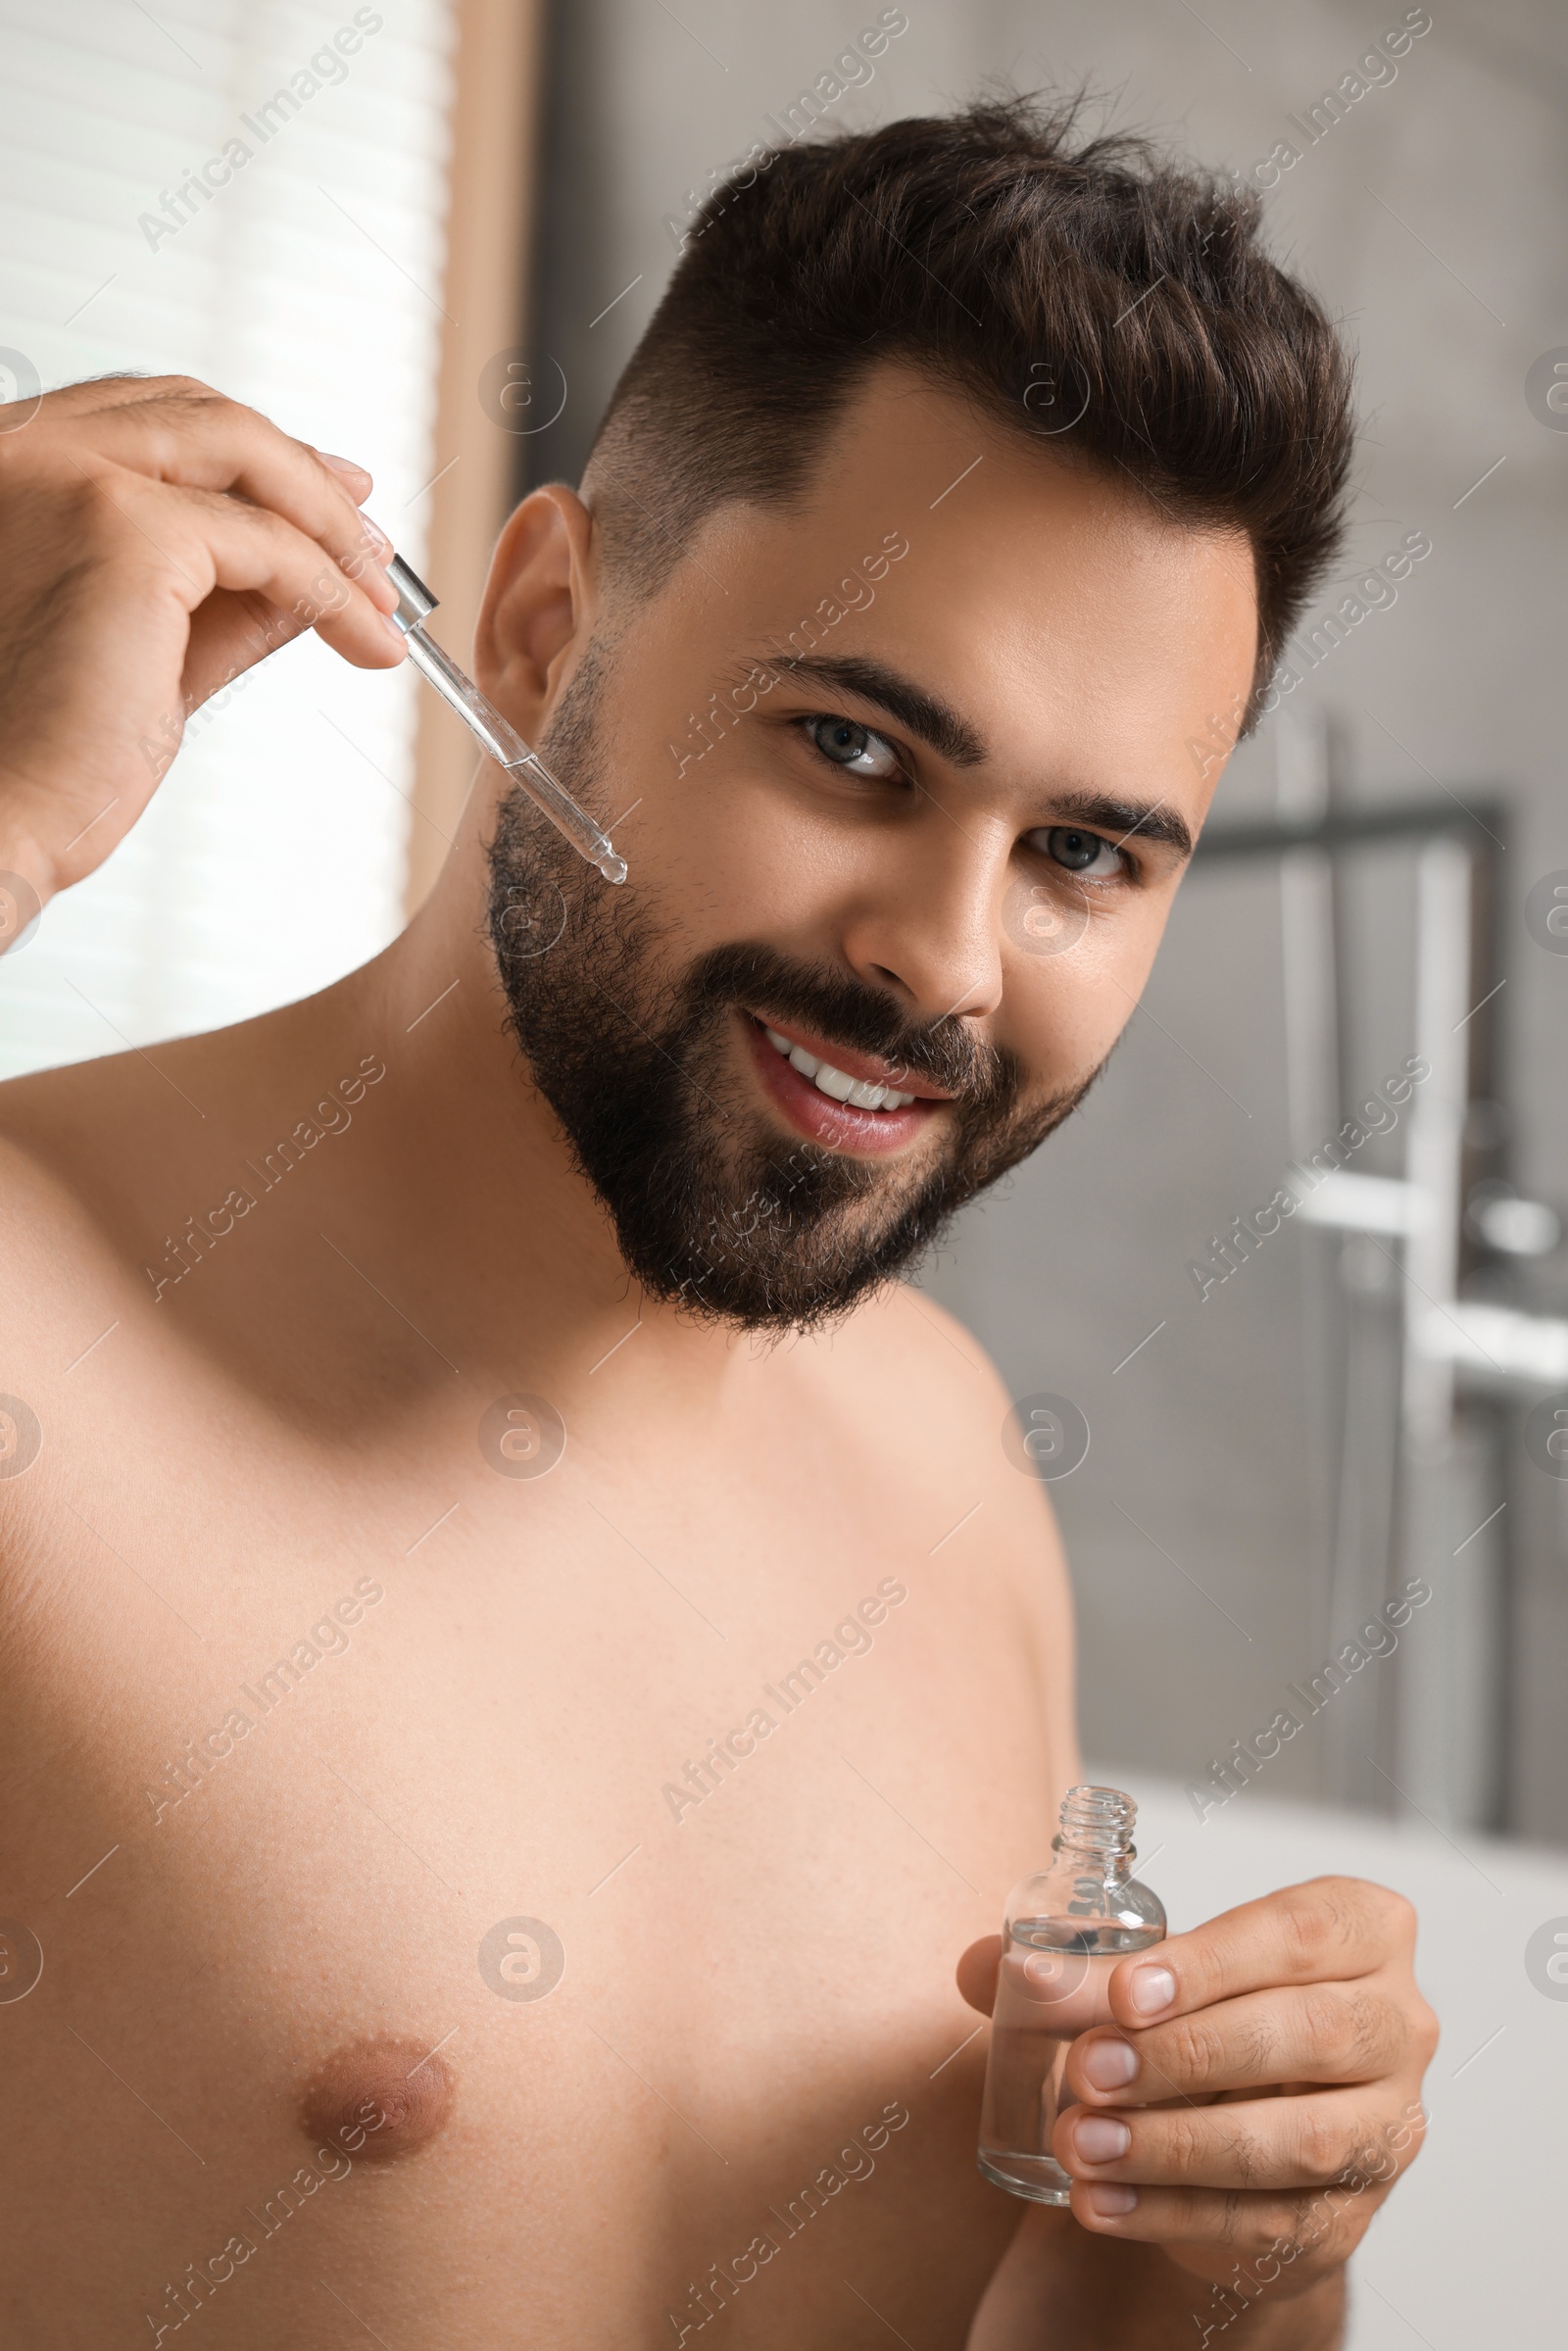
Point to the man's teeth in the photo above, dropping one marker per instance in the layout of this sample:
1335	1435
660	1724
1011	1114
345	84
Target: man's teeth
834	1082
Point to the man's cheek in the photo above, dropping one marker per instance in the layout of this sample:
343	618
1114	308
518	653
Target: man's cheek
1081	1002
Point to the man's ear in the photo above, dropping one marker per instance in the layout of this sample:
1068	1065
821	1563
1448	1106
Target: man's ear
540	604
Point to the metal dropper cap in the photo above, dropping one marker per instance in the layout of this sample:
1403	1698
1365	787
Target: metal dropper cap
415	599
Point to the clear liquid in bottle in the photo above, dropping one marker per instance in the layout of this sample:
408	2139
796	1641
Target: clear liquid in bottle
1065	1930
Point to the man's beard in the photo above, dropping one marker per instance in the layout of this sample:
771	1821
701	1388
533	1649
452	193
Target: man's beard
715	1209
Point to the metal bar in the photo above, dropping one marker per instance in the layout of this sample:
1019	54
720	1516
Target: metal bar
1481	819
1447	1458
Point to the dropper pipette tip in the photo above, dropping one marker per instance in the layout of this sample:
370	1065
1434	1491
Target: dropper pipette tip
502	741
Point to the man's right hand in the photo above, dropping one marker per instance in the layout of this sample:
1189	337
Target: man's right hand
156	540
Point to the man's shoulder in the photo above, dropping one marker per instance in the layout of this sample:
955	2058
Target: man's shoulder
68	1150
910	1388
49	1125
93	1152
83	1150
905	1395
53	1260
902	1339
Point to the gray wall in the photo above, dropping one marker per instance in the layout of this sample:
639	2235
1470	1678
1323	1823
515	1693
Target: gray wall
1430	220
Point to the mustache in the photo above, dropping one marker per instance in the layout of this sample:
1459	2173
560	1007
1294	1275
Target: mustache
842	1010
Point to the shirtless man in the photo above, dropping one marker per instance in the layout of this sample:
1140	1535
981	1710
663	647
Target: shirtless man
526	1659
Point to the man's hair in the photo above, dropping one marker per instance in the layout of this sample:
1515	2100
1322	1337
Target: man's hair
1026	266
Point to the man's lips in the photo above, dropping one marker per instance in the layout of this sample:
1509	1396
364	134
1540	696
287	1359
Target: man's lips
838	1126
869	1066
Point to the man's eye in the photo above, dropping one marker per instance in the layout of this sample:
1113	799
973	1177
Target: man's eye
853	747
1088	854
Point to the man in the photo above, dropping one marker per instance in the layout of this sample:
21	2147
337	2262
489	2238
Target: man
529	1659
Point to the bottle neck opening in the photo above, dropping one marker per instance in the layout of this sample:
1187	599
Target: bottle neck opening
1098	1822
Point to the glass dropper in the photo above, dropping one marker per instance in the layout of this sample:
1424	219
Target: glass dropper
500	739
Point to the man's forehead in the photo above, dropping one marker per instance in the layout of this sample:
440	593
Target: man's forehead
1002	515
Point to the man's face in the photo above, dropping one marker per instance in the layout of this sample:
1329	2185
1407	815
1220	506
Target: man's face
905	778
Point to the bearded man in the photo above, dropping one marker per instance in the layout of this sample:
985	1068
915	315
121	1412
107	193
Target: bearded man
528	1662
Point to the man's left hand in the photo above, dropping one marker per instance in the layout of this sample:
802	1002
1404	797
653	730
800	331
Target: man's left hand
1260	2089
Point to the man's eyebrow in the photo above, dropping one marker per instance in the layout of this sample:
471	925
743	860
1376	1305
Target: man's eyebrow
939	725
1121	819
933	721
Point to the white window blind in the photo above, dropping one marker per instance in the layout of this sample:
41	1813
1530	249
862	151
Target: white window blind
307	282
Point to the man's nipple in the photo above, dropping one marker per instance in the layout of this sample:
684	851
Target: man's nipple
377	2098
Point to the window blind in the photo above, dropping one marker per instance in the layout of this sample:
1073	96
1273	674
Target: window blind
254	194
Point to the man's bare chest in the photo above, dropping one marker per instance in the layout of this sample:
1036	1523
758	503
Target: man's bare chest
610	1842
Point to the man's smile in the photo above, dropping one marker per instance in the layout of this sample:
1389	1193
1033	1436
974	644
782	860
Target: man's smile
836	1096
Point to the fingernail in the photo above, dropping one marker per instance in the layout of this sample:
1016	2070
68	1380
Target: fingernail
1110	2064
1101	2139
1150	1989
374	533
342	465
1109	2202
393	629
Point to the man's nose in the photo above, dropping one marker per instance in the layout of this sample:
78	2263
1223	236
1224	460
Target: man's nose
927	927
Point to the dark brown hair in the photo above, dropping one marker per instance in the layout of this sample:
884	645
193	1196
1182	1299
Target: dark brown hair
1028	267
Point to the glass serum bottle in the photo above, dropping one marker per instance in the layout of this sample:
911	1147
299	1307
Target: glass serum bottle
1067	1928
